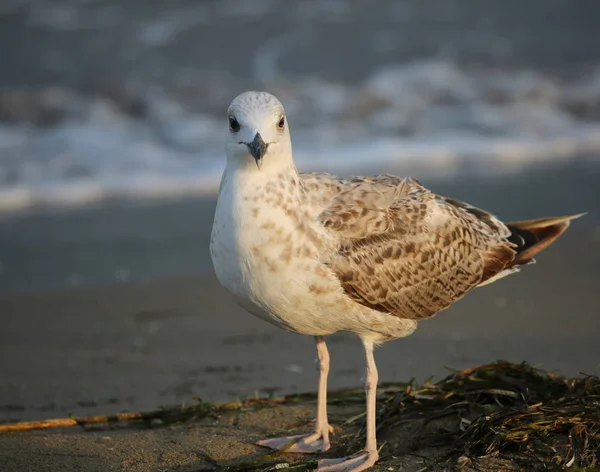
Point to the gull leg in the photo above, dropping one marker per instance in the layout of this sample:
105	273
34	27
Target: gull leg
319	440
369	456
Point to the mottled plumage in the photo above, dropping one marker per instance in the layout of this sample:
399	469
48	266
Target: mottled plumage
406	251
315	254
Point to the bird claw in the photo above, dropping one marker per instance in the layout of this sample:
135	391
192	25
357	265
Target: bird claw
356	463
302	443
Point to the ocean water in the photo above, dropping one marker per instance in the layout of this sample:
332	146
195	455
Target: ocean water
95	115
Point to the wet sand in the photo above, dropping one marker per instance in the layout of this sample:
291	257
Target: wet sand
135	346
106	347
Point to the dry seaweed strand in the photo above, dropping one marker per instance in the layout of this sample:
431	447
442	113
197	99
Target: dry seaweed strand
166	415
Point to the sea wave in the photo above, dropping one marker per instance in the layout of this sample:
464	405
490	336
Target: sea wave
65	147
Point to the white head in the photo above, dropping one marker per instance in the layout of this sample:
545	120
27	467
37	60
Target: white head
259	135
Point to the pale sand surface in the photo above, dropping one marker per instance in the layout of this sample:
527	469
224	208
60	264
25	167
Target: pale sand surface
218	442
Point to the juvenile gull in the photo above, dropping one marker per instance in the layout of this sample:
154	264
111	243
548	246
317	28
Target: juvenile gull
315	254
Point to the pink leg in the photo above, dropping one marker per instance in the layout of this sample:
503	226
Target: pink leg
319	440
369	456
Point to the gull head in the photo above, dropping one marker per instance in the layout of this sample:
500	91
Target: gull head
258	132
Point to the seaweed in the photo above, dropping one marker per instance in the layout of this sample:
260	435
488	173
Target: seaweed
498	416
505	413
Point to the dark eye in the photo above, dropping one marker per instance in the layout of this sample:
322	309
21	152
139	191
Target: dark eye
233	124
281	123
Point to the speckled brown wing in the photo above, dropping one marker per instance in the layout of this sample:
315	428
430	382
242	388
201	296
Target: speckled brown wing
319	189
405	251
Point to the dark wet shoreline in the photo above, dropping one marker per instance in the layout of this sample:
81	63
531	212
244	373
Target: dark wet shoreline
168	336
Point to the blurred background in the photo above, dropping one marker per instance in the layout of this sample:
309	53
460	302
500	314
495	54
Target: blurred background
112	118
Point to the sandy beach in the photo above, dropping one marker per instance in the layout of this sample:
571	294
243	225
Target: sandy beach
111	116
221	441
133	346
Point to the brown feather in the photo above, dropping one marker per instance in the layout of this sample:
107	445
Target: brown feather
405	251
496	260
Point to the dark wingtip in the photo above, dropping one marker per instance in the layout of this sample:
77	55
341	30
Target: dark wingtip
531	237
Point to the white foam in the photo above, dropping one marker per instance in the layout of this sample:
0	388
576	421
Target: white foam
422	117
442	156
453	152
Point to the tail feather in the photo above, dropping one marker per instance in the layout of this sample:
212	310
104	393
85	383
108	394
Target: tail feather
532	236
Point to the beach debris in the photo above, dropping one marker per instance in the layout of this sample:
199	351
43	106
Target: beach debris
498	416
504	414
154	418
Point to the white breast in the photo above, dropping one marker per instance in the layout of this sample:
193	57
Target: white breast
271	268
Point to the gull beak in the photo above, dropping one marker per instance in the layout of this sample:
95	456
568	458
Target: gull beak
258	148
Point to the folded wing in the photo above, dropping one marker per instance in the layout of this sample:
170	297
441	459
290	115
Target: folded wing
405	251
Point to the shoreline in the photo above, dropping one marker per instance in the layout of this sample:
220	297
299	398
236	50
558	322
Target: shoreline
181	337
167	339
123	241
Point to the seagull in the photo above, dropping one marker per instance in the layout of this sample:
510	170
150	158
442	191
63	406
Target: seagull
315	254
